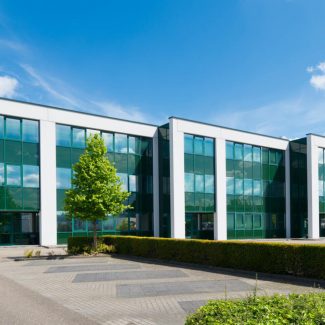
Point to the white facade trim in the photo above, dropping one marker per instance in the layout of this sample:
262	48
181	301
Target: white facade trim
220	217
155	163
48	219
287	193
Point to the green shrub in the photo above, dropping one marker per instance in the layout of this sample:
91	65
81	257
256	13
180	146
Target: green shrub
282	258
278	309
84	245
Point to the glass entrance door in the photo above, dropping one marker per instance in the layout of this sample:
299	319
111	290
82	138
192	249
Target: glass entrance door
19	228
199	225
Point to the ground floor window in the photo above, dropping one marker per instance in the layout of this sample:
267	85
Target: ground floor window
199	225
19	228
322	225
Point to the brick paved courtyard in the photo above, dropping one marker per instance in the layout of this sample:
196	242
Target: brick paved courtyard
109	290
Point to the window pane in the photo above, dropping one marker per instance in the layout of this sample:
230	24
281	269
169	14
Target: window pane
209	183
121	143
257	221
2	128
64	224
188	143
199	183
30	176
198	146
30	131
13	129
257	188
13	175
124	180
230	185
256	154
78	138
265	156
239	187
109	141
133	183
272	157
229	150
2	174
189	182
248	187
63	135
248	152
209	147
320	188
320	156
238	151
91	132
132	145
63	178
79	225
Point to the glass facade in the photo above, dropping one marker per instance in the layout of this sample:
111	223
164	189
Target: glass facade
132	157
298	188
164	181
321	191
19	180
255	191
199	180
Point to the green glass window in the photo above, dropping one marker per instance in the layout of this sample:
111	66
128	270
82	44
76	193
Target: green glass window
208	147
2	127
109	141
248	187
78	138
91	132
248	152
133	183
320	188
132	145
79	225
209	183
189	143
30	131
238	151
199	183
13	129
229	150
230	185
63	135
63	223
121	143
189	182
2	174
198	146
257	187
257	154
30	176
239	186
13	175
124	180
63	178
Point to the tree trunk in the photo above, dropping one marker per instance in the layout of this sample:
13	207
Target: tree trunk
95	235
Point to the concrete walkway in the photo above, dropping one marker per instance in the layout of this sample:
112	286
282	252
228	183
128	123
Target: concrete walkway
109	290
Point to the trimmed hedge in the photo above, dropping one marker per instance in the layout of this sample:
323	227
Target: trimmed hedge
277	309
294	259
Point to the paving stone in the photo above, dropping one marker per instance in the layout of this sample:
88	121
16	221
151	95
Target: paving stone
191	306
134	275
91	267
173	288
64	261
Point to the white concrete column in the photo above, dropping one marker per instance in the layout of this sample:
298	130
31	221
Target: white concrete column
48	223
155	160
220	217
312	188
177	190
287	192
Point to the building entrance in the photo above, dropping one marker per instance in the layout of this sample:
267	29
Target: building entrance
19	228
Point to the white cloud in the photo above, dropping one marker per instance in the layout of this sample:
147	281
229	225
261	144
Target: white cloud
113	109
8	86
46	86
13	45
291	118
318	81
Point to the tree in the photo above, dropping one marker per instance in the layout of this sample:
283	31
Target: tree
96	189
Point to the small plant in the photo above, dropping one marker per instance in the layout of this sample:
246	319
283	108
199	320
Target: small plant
37	253
28	253
105	249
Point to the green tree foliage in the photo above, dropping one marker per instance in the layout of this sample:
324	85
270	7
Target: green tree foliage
96	189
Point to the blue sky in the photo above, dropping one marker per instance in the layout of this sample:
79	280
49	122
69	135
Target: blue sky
256	65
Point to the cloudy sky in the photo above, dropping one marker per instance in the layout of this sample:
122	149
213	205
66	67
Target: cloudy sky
257	65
